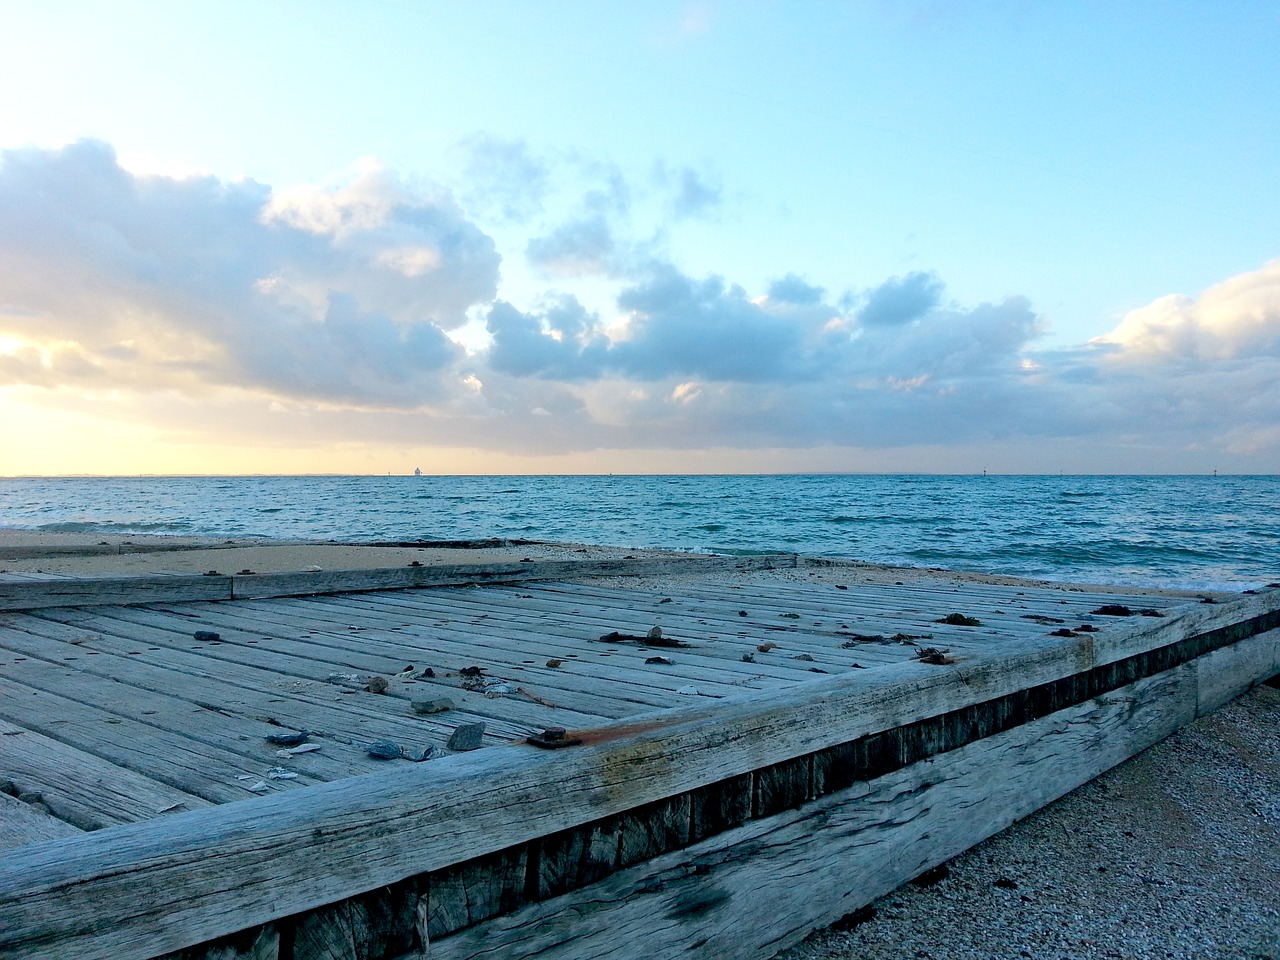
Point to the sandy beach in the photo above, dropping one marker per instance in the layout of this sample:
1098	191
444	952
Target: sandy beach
1171	854
113	555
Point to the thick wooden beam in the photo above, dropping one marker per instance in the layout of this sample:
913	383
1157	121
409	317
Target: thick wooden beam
753	891
96	591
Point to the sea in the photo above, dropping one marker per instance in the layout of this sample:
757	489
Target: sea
1185	532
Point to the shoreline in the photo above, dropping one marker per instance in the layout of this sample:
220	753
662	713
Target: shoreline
91	555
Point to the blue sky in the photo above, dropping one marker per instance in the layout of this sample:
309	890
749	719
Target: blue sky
361	237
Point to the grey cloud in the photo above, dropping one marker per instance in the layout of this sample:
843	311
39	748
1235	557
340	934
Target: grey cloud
900	300
503	178
350	355
793	289
563	343
580	248
703	329
689	194
336	293
694	197
687	328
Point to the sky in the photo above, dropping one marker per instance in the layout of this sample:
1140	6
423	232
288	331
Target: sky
658	237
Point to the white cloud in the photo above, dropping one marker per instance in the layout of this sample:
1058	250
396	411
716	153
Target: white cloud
1240	316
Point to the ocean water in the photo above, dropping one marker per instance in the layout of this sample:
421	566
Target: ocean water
1188	532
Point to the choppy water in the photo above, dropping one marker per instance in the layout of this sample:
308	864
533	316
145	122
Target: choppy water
1191	532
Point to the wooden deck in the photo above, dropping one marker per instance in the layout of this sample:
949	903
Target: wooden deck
759	747
113	714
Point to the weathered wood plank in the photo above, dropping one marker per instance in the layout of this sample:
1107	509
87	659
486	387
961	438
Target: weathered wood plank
260	658
344	581
60	773
153	752
379	924
248	698
30	594
1224	674
563	623
756	890
259	943
22	823
79	591
466	894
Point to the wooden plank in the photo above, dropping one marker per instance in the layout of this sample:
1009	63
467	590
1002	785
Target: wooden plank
612	688
256	695
278	658
307	658
382	923
154	752
566	624
82	790
761	888
399	578
466	894
1224	674
77	591
22	823
891	609
1139	634
507	630
163	884
82	591
258	943
458	645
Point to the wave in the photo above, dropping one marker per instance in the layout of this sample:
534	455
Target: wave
116	526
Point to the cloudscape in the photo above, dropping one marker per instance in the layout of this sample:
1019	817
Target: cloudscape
465	288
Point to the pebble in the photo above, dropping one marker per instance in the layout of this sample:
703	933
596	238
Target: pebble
434	705
288	739
207	635
383	750
466	737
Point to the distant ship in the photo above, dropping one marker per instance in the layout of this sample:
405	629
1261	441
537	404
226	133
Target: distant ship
417	471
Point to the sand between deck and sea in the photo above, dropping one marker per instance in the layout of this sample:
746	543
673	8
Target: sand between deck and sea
1169	855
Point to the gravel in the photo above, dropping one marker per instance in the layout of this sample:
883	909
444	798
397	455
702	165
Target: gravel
1174	855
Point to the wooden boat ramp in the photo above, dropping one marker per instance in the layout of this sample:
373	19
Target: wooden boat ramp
643	757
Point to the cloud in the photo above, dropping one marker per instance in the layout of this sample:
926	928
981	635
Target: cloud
793	289
503	179
901	300
679	326
335	293
337	305
562	343
1238	317
689	192
580	248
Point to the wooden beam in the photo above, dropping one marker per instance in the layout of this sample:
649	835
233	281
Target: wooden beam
761	888
84	591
